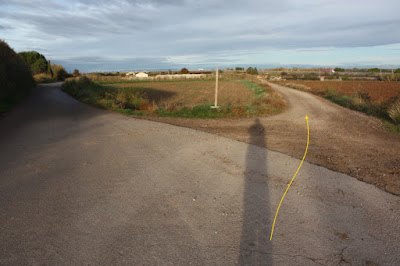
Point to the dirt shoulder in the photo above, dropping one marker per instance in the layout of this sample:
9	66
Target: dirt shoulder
340	139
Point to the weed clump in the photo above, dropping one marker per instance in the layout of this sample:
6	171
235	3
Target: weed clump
298	86
394	112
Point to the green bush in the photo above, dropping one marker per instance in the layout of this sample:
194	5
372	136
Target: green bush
338	69
59	73
15	77
252	71
37	62
346	77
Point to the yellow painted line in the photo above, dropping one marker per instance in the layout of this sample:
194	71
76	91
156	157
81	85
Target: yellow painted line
284	194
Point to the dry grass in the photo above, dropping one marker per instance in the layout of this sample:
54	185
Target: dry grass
377	98
180	98
298	86
43	78
378	91
191	93
394	111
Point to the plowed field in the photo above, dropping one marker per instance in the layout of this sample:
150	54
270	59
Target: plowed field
379	91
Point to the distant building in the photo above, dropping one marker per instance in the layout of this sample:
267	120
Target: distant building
327	70
277	78
129	74
200	69
141	74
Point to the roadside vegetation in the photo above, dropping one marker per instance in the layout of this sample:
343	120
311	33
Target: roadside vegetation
20	72
15	77
43	71
377	98
238	97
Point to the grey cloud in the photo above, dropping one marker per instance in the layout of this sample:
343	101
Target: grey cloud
5	27
97	63
160	28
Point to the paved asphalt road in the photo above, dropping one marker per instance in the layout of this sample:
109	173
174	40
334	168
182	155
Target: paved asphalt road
80	185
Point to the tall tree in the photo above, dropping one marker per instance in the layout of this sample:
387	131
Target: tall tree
49	70
184	71
36	61
76	73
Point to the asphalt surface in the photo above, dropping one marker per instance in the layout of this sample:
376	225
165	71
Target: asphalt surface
80	185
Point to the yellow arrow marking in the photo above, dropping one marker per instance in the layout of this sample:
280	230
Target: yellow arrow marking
276	214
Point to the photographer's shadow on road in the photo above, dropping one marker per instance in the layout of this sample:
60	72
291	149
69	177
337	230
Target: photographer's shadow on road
255	247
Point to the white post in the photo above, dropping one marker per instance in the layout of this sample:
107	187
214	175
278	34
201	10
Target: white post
216	89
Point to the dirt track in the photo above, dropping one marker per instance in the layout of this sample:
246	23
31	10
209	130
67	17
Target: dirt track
340	139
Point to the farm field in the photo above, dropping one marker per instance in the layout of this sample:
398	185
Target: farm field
236	98
376	98
191	93
378	91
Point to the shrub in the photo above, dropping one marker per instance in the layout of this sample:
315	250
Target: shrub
394	112
252	71
373	70
36	61
76	73
389	77
59	73
338	69
15	77
184	71
86	90
43	78
346	77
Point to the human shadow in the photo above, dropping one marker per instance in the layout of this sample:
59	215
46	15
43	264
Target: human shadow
255	247
156	95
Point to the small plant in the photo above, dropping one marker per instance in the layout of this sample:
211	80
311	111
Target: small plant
298	86
357	100
346	78
394	112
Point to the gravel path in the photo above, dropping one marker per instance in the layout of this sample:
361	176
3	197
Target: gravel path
341	139
345	140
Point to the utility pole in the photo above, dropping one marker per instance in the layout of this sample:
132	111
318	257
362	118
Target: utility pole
216	90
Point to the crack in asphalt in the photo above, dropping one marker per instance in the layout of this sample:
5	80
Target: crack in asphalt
316	260
342	259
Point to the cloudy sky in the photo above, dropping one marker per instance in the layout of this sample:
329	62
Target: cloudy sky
161	34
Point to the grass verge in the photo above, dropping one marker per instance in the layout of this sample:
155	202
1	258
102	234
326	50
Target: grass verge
389	113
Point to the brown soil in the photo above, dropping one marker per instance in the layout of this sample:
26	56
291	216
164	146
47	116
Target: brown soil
378	91
340	139
190	93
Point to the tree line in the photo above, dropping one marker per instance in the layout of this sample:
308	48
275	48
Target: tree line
20	71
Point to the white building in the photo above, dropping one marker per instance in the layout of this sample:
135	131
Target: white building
141	74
